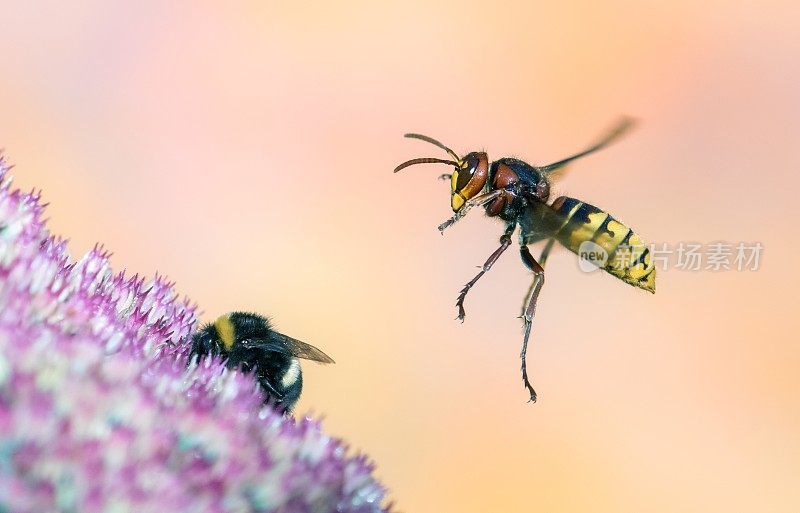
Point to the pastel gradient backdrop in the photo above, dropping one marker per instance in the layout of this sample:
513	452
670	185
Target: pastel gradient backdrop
246	152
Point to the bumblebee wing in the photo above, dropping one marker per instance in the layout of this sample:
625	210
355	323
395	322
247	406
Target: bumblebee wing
300	349
280	343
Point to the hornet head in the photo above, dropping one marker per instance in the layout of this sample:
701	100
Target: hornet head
469	176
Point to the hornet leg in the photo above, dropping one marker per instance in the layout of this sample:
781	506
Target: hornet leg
505	242
477	201
530	311
546	252
446	176
542	260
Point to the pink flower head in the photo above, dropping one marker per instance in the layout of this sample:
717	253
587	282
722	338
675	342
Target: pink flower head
101	409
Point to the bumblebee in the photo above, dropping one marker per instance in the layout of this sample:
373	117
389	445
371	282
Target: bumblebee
248	342
518	193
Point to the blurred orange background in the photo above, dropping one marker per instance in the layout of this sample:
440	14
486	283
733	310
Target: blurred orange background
246	152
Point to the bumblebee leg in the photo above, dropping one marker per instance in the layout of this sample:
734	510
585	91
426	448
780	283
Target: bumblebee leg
446	176
505	242
270	389
477	201
530	311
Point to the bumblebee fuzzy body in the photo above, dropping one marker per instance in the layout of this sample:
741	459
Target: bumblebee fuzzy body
248	342
518	193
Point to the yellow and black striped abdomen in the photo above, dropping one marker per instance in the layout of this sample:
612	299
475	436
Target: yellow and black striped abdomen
628	256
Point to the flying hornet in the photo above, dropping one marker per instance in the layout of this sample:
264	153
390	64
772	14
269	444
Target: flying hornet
518	193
